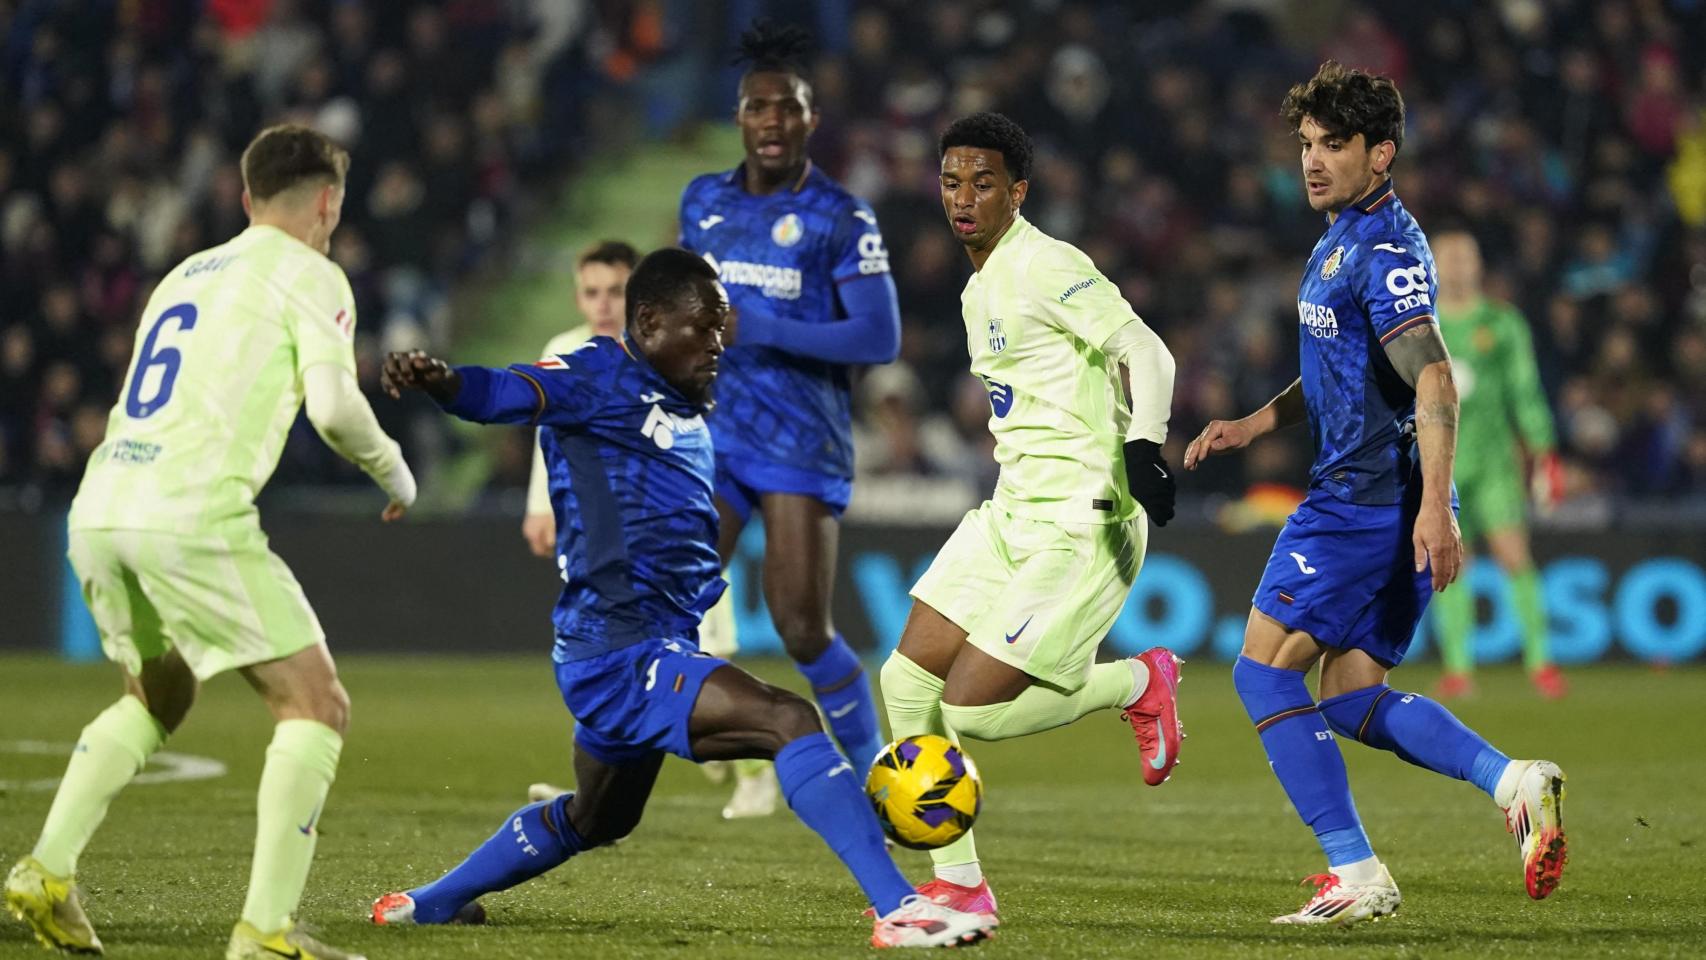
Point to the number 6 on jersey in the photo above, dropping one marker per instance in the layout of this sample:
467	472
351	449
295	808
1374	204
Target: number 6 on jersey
153	356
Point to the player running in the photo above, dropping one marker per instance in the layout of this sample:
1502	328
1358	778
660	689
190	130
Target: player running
168	546
1492	360
808	277
631	482
1002	636
1354	567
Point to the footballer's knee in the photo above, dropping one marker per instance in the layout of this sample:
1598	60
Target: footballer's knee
600	828
804	634
790	718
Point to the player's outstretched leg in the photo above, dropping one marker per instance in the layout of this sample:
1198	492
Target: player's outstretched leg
1309	766
737	716
1530	792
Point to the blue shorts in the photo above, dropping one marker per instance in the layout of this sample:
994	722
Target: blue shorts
632	702
741	482
1345	574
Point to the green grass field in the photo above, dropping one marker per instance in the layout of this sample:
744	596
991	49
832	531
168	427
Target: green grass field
1086	860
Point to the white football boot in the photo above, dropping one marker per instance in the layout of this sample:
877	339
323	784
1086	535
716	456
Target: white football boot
921	922
1341	903
1536	818
757	793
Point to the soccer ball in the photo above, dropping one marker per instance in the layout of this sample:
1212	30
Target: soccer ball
925	790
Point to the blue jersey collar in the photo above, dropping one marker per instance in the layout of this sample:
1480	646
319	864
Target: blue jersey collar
633	351
737	177
1382	194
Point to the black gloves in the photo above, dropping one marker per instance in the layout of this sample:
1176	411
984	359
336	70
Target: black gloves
1149	480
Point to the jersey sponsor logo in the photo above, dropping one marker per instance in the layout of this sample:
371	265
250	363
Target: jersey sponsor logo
787	230
139	452
710	221
1320	321
1000	396
1410	286
873	256
997	335
1330	266
1080	285
661	427
780	283
1302	563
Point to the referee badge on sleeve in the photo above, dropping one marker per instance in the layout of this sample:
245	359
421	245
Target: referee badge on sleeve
997	336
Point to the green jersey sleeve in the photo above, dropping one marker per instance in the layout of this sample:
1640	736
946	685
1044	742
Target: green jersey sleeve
1528	406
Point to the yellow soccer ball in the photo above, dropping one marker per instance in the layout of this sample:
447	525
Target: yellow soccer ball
925	790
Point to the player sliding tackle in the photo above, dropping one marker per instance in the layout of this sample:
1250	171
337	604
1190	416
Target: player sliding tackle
631	479
1354	567
1003	632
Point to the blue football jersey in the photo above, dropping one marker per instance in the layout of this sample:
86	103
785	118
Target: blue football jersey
785	255
631	473
1370	278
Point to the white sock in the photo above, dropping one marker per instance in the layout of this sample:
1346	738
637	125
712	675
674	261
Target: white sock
1366	870
1504	792
1139	679
964	874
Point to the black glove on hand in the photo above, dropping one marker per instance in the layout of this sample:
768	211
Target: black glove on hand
1149	480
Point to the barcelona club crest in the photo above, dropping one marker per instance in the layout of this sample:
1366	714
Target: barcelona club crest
997	336
787	230
1330	266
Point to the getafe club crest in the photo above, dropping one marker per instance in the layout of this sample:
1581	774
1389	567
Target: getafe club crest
1330	266
787	230
997	336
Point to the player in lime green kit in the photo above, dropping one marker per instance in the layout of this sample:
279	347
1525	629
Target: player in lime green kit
1001	641
168	546
1502	406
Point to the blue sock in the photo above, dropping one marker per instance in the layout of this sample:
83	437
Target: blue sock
533	840
847	702
1418	730
829	797
1303	756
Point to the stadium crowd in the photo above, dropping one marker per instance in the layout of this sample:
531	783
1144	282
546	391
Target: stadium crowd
1570	136
120	127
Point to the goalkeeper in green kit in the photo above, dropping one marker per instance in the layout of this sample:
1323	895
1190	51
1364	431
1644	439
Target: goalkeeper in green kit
1502	407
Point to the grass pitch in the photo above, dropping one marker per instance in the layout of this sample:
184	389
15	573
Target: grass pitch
1087	862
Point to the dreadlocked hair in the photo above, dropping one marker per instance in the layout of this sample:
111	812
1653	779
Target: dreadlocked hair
768	48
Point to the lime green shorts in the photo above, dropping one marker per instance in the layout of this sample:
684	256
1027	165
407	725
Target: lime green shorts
1489	503
221	601
1038	596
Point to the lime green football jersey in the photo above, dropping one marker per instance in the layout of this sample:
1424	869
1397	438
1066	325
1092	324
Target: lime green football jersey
1036	316
215	382
1498	389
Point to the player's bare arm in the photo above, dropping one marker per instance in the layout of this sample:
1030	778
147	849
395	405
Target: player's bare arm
417	371
1280	412
1420	357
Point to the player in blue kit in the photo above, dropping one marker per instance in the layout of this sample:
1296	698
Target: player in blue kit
1377	535
808	277
631	478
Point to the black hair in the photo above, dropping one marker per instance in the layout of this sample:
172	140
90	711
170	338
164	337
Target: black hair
663	277
1347	102
766	47
991	131
617	253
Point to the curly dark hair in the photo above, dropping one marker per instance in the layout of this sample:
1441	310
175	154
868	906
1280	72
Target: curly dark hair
768	48
991	131
1348	102
663	277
